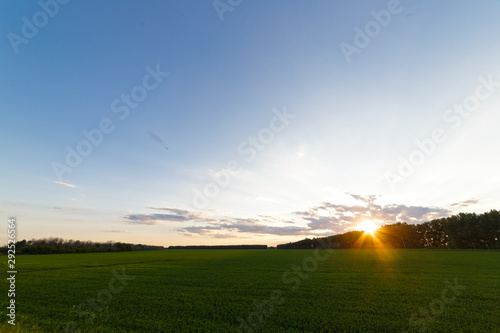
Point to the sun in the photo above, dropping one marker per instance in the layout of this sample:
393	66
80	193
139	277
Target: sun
368	227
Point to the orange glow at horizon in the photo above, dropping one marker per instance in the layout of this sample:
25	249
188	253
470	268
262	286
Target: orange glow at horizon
369	227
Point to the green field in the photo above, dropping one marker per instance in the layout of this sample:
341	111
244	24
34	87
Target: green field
295	291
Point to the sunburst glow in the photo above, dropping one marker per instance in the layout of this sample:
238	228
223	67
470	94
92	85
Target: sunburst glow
368	227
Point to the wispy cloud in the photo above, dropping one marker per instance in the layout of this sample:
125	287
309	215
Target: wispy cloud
118	231
175	215
256	227
184	214
465	203
65	184
152	219
246	226
224	236
272	219
78	209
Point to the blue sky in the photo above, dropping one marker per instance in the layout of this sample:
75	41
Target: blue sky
334	134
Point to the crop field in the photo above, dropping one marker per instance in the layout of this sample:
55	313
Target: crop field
258	291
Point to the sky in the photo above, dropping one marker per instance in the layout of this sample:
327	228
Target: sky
245	122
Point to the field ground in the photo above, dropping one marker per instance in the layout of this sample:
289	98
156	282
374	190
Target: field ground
270	290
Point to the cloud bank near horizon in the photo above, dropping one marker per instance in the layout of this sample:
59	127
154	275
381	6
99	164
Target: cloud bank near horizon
322	219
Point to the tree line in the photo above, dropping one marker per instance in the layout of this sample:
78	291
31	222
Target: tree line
56	245
461	231
219	247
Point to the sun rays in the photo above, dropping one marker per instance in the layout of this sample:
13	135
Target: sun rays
369	227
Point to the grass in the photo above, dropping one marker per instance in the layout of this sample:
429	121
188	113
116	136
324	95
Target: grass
215	290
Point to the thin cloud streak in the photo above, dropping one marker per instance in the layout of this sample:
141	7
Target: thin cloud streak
465	203
77	209
65	184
